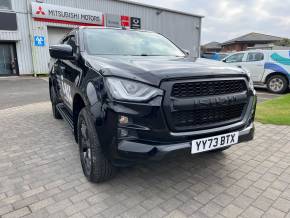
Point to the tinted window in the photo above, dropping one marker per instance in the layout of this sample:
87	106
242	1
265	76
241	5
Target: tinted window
126	42
5	4
72	42
255	56
8	21
235	58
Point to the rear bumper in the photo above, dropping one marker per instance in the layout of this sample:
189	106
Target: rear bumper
156	152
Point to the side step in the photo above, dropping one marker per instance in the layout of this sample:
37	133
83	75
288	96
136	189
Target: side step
65	115
260	85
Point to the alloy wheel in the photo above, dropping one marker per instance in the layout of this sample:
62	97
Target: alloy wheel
86	148
276	84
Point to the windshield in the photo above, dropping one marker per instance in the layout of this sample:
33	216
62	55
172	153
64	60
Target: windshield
126	42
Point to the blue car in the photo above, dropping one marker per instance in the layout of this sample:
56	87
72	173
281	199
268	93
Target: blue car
214	55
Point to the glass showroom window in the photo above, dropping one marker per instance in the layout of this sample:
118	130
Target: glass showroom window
5	5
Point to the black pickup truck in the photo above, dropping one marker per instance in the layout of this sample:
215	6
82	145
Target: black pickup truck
131	96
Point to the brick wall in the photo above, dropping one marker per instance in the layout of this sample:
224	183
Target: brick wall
235	47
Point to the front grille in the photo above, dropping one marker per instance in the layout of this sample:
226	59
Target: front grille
207	88
192	105
193	119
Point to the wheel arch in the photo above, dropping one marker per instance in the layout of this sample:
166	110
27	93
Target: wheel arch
78	105
287	77
50	87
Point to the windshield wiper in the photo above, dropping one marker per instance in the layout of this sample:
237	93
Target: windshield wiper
146	55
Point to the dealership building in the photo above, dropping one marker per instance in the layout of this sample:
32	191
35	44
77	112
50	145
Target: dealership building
27	28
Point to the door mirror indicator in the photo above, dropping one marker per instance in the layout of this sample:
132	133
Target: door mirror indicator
64	52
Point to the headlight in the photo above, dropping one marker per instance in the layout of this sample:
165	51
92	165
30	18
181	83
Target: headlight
127	90
251	83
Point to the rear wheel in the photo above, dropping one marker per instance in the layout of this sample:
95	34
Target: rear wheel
96	167
277	84
54	102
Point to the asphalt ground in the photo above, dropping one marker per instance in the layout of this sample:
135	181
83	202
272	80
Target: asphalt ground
19	91
264	95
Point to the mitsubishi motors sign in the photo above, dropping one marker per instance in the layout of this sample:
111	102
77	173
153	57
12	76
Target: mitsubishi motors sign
67	15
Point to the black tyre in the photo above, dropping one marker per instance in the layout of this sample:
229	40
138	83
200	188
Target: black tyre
54	102
277	84
96	167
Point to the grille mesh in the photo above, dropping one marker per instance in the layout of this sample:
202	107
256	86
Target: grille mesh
207	88
195	118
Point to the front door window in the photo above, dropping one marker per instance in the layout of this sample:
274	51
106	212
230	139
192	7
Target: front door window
235	58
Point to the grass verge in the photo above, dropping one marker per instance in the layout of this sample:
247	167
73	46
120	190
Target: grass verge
275	111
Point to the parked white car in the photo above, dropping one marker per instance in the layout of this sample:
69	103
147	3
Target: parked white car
269	68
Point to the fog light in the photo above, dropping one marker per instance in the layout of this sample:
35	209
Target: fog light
123	132
123	120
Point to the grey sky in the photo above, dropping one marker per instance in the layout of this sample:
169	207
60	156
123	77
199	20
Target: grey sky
226	19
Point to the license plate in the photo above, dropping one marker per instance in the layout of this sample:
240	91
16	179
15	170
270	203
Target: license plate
215	142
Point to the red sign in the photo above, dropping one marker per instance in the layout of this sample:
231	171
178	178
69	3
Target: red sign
125	21
66	15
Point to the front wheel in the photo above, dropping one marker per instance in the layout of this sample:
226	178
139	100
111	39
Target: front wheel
96	167
277	84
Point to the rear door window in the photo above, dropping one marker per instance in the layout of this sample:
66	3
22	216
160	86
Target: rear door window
255	56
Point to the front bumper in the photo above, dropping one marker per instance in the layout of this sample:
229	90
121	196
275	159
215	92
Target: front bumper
148	135
156	152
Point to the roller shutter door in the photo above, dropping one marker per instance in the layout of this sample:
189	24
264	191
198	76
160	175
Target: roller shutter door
56	34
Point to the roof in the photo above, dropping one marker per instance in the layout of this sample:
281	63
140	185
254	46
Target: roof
160	8
268	46
254	37
212	45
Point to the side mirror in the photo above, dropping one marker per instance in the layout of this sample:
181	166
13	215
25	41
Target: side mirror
64	52
224	60
186	52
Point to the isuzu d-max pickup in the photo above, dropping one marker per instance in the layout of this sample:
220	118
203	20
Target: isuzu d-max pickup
132	96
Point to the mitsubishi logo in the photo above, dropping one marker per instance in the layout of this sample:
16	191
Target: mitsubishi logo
40	11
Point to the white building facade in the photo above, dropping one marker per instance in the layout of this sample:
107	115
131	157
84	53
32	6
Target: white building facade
28	27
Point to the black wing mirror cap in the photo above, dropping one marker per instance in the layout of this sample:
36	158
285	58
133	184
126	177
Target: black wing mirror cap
64	52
